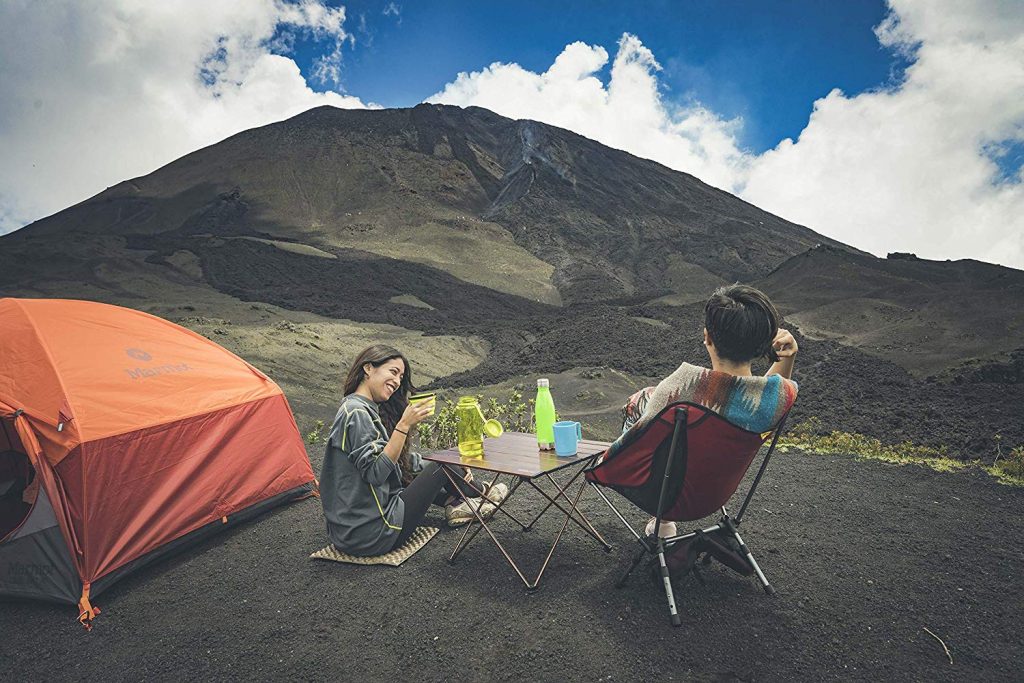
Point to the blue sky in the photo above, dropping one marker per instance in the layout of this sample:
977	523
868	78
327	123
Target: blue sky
766	62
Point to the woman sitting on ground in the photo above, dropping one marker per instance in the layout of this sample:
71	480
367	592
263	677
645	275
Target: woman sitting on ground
741	325
371	500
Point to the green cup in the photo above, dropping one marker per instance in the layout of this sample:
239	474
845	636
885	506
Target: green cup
423	398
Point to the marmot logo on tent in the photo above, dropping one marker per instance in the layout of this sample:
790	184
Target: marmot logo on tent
138	354
145	356
143	373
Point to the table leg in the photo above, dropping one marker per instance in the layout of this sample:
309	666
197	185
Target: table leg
483	524
551	501
584	524
500	506
558	537
571	513
464	541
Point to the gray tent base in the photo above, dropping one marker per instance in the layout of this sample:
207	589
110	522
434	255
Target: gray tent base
35	563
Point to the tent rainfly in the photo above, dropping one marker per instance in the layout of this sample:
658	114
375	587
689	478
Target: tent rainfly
124	437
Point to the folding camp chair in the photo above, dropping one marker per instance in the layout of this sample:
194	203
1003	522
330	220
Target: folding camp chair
682	466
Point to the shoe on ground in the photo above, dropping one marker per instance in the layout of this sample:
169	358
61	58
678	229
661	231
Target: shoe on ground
496	493
460	514
666	530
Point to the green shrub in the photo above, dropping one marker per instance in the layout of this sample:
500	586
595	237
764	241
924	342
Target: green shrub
438	433
810	427
808	436
514	414
316	434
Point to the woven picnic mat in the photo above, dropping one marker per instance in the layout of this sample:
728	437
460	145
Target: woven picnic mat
419	538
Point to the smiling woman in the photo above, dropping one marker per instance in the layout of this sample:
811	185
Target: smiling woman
372	503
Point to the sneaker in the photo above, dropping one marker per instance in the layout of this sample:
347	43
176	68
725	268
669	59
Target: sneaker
496	493
460	514
667	529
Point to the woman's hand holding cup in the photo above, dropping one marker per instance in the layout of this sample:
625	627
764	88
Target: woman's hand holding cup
415	413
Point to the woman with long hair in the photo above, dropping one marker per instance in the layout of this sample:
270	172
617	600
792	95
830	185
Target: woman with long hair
372	502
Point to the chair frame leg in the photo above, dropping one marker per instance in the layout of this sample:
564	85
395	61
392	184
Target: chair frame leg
636	534
678	449
730	525
768	588
666	580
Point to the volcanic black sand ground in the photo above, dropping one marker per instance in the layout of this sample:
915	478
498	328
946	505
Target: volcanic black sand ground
865	557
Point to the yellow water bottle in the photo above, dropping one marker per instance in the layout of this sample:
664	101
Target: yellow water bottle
472	427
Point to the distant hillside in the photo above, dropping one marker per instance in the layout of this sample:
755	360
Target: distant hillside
924	315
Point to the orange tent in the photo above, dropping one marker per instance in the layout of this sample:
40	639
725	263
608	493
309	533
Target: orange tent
123	437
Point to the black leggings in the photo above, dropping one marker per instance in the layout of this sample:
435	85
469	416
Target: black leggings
430	486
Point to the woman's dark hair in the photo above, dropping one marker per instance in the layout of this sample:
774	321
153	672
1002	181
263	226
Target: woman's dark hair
742	323
391	410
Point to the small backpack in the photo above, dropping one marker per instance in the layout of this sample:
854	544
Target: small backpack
686	556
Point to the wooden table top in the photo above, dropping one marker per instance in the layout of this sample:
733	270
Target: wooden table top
517	453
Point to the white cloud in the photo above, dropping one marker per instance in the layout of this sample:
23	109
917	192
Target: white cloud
628	114
905	168
92	94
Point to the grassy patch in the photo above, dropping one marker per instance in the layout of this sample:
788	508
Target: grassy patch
1009	469
808	436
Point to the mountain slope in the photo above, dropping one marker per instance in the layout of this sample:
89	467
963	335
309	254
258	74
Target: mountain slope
516	206
926	316
493	251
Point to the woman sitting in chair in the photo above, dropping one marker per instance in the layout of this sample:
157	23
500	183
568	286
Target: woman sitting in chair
740	326
374	491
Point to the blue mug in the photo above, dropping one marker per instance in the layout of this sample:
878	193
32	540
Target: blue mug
567	436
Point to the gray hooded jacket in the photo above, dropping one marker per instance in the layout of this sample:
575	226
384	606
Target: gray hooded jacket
359	484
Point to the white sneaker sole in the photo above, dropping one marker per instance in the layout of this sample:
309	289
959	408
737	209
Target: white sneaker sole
497	493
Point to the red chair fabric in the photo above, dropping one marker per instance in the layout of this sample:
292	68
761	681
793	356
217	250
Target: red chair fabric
717	456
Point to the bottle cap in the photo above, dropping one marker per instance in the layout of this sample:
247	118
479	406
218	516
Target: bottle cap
493	429
543	383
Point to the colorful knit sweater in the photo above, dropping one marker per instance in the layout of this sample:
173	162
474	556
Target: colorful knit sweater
754	403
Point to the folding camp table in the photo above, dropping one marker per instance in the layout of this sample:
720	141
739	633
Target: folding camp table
516	455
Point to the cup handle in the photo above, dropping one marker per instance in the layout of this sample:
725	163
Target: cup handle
579	432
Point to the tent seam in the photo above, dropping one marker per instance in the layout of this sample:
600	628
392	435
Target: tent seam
64	391
49	357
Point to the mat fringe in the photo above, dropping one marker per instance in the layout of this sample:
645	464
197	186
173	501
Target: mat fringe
419	538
